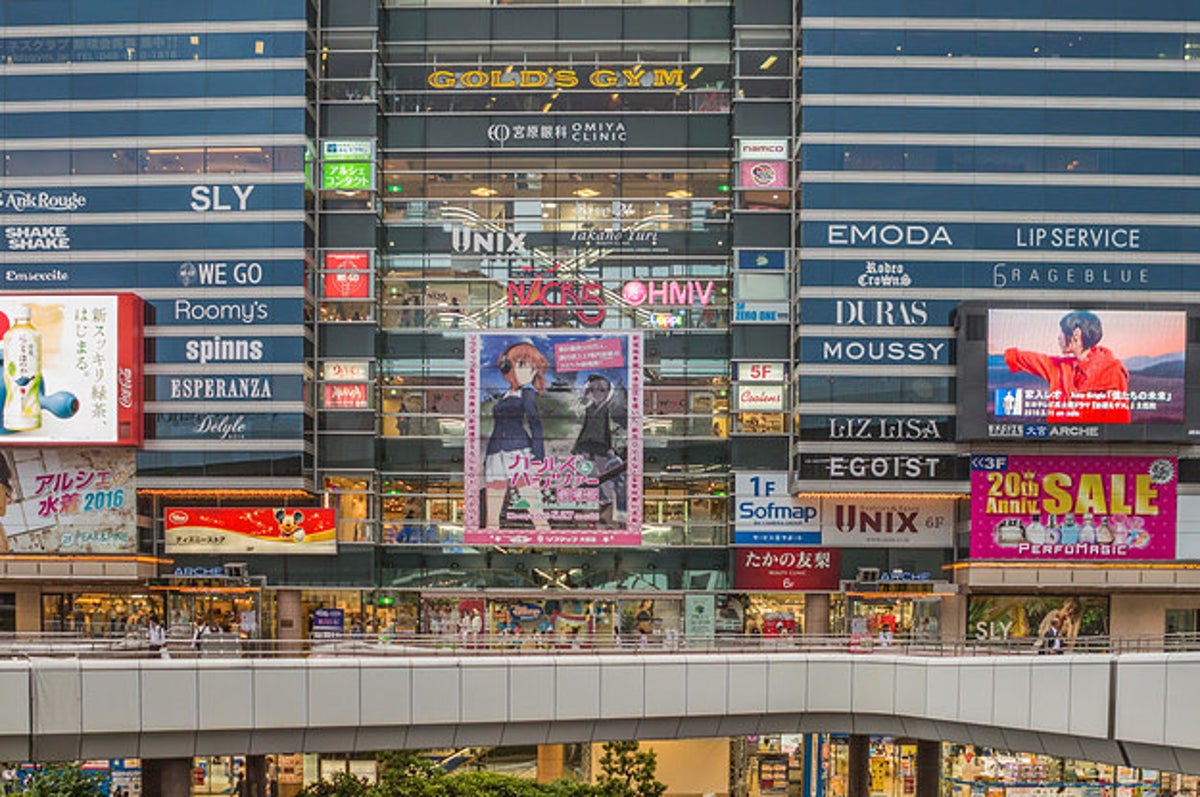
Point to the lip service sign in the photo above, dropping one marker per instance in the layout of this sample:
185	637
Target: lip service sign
1073	508
788	569
305	530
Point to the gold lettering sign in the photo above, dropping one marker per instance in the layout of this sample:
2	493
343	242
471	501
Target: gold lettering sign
601	77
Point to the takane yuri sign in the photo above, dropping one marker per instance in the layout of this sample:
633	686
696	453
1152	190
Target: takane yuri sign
251	530
1072	508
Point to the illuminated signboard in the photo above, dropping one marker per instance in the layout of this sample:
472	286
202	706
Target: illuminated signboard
763	149
288	530
348	165
72	369
601	77
346	396
761	372
347	275
1096	372
759	398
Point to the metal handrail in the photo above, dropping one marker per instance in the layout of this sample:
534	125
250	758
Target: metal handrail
135	644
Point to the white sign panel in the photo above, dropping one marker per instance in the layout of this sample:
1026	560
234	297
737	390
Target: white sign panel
763	149
761	372
759	398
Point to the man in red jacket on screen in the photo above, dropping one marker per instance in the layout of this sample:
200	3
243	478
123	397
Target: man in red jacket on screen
1088	384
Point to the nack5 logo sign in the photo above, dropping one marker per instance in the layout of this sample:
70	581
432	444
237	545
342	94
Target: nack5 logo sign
600	77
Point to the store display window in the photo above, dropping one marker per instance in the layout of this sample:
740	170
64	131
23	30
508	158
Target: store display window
972	771
556	623
99	613
383	613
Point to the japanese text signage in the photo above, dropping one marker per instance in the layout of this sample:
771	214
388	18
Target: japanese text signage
288	530
347	275
72	369
1073	508
348	165
67	500
787	569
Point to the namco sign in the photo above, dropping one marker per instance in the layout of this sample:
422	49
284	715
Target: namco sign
768	149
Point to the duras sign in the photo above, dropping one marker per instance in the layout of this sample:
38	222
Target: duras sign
600	77
289	530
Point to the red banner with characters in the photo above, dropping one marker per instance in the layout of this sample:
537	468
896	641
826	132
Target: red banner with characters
307	530
788	569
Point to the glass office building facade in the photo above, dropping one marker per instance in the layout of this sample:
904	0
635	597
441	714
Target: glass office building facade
662	303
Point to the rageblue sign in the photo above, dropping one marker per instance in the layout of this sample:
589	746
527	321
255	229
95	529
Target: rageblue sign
236	387
878	312
114	275
897	351
889	274
767	514
224	312
205	349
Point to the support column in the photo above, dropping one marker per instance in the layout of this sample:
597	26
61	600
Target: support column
167	777
929	768
816	614
858	779
289	613
551	762
28	608
256	776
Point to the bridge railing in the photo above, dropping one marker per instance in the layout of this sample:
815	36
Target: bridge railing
135	644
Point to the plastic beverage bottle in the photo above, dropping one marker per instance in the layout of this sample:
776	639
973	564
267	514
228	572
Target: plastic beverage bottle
22	374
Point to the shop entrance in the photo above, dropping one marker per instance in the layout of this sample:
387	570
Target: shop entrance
239	611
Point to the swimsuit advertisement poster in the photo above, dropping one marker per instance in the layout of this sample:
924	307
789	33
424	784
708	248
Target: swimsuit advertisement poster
68	500
1081	366
554	439
1073	508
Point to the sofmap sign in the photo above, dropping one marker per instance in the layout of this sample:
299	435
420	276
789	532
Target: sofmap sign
767	512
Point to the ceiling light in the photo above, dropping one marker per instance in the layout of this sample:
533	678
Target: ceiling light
695	73
769	62
679	193
586	193
483	190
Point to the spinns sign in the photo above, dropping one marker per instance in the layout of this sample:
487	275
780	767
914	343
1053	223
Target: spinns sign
768	515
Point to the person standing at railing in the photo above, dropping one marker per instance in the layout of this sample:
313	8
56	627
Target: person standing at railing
1052	639
157	636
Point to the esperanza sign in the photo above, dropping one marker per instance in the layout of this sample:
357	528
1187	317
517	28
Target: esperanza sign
1073	508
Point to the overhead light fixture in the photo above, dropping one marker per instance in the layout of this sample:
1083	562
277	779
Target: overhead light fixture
586	193
483	190
546	107
695	73
769	62
679	193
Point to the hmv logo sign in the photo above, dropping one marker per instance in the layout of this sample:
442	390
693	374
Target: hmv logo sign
487	243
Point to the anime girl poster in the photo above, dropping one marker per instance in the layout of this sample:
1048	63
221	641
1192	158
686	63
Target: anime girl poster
553	439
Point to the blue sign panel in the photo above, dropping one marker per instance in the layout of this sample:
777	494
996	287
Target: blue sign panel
892	273
1030	237
231	387
226	426
205	349
762	260
878	312
88	237
123	275
230	312
898	351
200	197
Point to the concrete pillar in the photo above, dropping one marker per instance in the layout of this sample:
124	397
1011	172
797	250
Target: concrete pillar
953	624
551	762
167	777
858	779
29	608
816	614
256	776
929	768
289	613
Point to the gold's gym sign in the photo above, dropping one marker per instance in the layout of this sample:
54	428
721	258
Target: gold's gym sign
558	78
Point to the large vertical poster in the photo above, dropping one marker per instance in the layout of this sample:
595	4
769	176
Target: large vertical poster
554	439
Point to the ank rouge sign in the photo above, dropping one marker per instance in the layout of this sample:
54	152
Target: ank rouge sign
788	569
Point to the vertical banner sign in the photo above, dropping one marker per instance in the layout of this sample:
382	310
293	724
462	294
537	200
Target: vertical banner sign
1073	507
72	369
699	616
553	439
68	500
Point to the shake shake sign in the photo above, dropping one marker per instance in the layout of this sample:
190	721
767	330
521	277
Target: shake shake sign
1073	508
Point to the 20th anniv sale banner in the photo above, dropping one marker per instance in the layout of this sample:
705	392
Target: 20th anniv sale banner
1073	508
